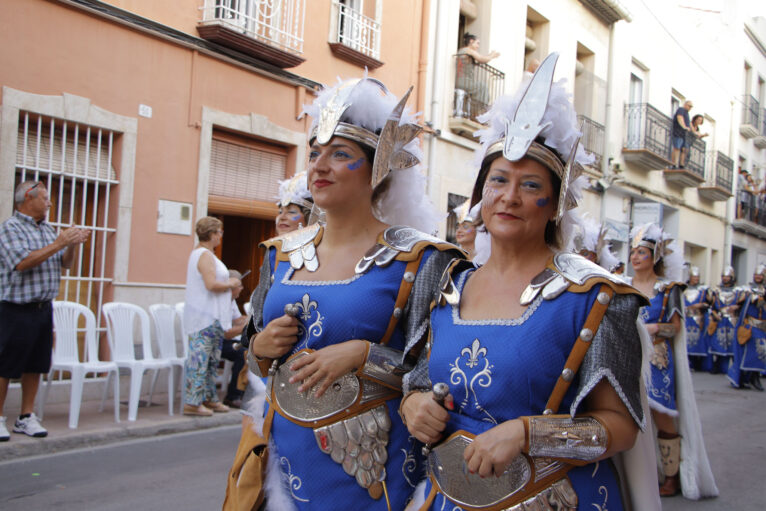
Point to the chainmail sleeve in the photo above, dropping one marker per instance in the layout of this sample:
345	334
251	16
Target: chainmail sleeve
417	313
675	303
259	296
615	354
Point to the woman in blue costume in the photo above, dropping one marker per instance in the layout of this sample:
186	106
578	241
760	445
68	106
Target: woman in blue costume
696	304
749	359
683	459
336	302
538	349
723	317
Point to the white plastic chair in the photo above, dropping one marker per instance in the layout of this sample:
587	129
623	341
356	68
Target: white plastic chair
65	357
184	336
164	317
120	322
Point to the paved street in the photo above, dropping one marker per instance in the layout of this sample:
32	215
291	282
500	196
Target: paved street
188	470
734	426
183	471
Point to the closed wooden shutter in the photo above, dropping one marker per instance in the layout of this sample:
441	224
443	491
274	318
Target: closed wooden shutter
246	170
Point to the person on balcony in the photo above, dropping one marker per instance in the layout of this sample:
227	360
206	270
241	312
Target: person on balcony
467	78
697	121
681	126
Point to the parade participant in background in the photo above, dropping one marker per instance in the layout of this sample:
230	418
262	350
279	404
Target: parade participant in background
294	203
749	359
657	264
336	303
724	314
533	332
465	234
589	241
697	300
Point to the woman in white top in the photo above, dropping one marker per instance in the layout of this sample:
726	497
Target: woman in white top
207	315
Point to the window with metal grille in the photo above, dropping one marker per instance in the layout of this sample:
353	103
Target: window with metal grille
245	169
74	161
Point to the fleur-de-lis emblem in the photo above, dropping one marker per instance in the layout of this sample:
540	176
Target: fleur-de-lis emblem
473	353
307	305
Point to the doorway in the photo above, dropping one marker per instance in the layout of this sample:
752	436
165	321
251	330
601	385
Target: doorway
239	249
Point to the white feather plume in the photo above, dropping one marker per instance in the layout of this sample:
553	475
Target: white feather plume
560	134
293	190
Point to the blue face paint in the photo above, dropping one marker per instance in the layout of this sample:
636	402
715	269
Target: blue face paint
543	202
295	218
356	164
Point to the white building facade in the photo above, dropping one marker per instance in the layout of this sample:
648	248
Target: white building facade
629	65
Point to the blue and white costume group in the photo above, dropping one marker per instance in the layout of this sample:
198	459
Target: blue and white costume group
749	350
696	325
665	304
721	330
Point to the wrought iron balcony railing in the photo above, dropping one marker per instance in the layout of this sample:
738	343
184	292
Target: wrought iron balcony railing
276	24
648	130
477	85
750	109
593	138
695	160
724	170
355	30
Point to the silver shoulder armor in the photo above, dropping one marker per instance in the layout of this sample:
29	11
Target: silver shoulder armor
570	269
299	247
396	239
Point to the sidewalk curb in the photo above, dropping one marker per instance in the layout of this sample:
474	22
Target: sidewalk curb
13	451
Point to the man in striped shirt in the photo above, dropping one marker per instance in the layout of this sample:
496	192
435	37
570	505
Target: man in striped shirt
31	259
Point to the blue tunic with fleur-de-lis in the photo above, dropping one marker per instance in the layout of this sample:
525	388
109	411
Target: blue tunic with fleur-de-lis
662	384
696	345
502	369
331	312
721	341
750	356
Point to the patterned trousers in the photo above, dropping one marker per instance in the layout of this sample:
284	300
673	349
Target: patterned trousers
202	364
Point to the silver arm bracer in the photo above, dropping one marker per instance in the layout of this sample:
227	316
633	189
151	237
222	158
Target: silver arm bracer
579	438
384	365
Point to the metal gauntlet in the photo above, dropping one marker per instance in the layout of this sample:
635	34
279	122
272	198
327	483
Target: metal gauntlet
666	330
560	436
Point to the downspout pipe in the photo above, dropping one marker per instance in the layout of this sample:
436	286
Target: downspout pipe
435	110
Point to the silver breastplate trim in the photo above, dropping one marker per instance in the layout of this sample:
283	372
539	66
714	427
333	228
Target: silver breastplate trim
691	294
300	249
395	239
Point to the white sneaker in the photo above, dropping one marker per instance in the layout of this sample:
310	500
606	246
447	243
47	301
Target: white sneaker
4	435
30	426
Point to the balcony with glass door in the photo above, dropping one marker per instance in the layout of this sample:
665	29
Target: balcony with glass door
719	171
354	37
749	127
647	141
477	86
593	137
269	30
760	139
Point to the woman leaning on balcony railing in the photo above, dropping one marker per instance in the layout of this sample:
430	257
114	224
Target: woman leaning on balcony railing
466	76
